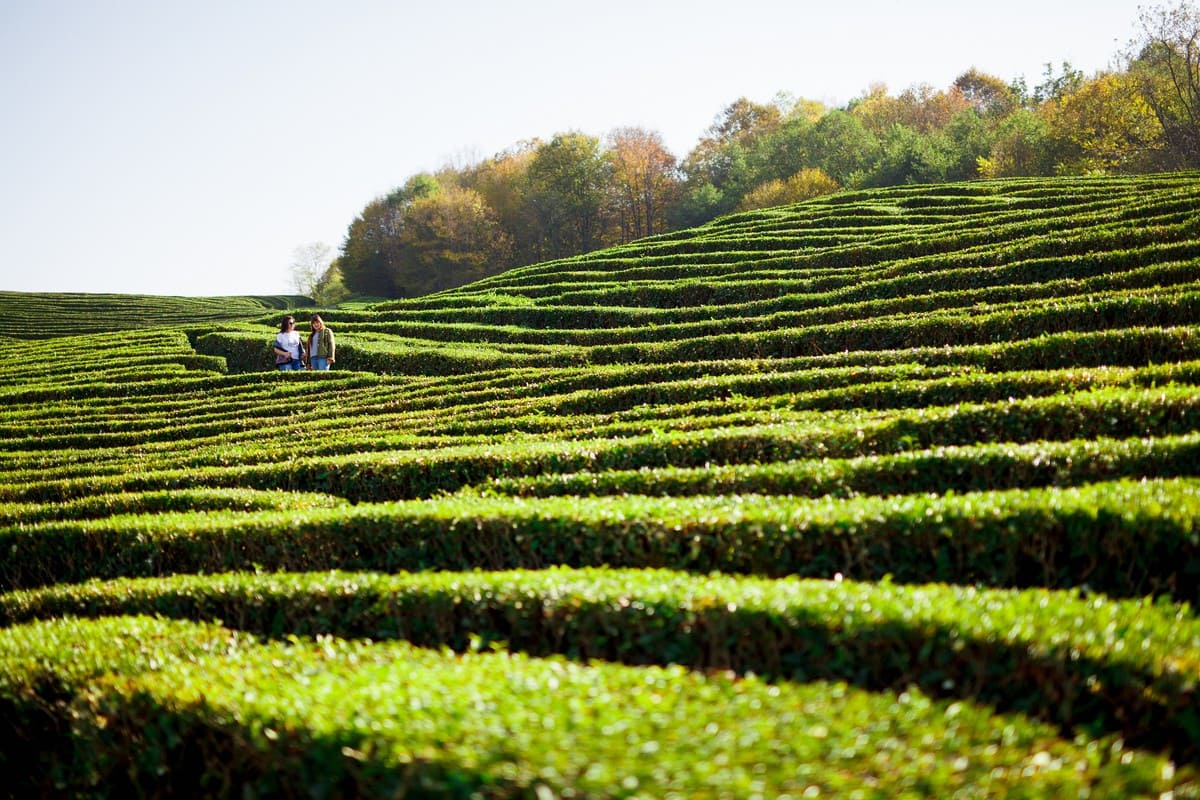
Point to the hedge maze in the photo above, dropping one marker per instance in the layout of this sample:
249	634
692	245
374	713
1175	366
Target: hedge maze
892	493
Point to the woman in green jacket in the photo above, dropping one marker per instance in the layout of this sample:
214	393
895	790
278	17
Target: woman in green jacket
321	349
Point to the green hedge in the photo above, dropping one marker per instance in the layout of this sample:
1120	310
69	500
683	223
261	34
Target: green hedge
380	465
106	505
922	330
969	468
1124	538
1078	662
195	710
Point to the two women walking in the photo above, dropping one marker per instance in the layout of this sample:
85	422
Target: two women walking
293	353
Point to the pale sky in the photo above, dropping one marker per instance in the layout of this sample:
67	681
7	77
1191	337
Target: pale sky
182	147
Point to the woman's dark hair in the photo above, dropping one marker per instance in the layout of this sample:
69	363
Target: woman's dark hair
283	326
316	318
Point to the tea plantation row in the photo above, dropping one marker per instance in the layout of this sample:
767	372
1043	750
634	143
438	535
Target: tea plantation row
892	493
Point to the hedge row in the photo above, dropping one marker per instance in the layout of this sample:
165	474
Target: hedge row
1129	343
900	386
1120	667
761	289
571	331
197	709
377	465
947	329
1057	538
1137	346
203	499
884	456
246	351
970	468
1020	238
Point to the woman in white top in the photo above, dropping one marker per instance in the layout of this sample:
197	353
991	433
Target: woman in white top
289	347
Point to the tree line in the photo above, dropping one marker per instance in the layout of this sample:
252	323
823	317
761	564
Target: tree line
542	200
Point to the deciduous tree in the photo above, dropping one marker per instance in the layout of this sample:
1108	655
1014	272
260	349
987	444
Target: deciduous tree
1165	60
309	263
1021	147
921	108
842	147
331	288
991	97
368	251
503	182
1104	126
786	150
725	164
448	239
568	179
370	258
1055	87
644	181
743	121
806	184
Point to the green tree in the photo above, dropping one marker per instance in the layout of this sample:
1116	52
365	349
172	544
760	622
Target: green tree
726	163
841	146
785	151
368	251
1021	147
726	167
569	179
1055	87
331	287
969	137
370	259
697	203
909	156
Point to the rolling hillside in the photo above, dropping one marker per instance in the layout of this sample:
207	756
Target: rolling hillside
25	315
892	493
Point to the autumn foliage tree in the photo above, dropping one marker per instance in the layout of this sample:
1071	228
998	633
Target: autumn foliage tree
449	238
1105	126
806	184
1020	146
644	182
988	95
1166	66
